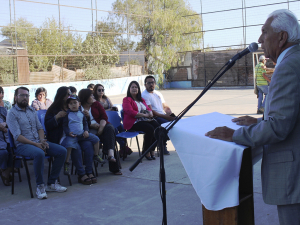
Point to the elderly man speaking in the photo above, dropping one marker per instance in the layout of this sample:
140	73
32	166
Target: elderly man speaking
279	130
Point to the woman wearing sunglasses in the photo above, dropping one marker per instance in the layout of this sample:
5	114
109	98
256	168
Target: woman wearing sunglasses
102	98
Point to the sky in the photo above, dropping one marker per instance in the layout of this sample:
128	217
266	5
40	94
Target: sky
81	19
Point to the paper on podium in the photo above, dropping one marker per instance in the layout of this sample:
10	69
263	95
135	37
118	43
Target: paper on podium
212	165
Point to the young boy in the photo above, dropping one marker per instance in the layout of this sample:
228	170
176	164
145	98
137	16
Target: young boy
76	129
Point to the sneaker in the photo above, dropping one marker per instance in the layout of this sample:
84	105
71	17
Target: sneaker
56	187
98	159
66	168
40	192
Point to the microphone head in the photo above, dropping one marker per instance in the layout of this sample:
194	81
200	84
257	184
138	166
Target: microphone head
253	47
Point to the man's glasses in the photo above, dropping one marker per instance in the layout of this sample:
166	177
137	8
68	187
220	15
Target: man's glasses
149	83
24	95
100	90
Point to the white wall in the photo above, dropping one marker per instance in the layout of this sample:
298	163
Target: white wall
115	86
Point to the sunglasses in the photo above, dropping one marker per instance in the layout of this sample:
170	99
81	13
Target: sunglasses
100	90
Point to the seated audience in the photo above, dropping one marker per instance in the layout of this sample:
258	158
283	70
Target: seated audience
4	103
108	106
91	86
73	90
100	96
5	153
76	130
99	125
55	133
138	116
41	101
30	141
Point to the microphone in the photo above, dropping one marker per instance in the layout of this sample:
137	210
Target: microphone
251	48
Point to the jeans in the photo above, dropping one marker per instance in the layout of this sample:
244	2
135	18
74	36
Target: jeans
5	159
71	142
76	156
57	151
161	120
264	89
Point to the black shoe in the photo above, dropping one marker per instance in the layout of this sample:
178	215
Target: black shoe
166	152
153	157
148	157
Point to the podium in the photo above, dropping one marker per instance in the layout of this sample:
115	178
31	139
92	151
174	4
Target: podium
220	171
243	214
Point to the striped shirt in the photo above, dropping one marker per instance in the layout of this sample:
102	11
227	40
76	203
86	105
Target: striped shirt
259	70
24	123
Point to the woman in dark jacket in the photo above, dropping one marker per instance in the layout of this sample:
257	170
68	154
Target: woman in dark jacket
55	133
99	125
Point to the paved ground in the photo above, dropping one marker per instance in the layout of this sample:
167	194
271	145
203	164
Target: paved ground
134	198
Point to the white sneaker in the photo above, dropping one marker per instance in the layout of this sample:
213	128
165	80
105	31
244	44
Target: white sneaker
56	187
40	192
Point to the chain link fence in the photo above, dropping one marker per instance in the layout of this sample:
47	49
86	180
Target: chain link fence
71	40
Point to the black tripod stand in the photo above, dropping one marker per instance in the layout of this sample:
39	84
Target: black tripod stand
161	133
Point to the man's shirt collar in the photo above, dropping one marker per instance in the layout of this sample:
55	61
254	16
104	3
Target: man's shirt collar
282	54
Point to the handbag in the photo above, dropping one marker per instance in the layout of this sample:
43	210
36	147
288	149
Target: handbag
146	119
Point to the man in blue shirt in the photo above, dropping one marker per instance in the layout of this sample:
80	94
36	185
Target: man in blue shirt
30	141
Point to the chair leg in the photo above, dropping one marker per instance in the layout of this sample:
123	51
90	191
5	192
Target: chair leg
49	167
137	142
69	178
19	173
118	156
130	141
28	178
13	179
96	169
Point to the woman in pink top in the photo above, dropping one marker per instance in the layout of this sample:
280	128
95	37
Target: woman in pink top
138	116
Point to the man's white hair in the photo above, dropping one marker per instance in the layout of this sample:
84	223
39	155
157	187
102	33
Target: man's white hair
285	20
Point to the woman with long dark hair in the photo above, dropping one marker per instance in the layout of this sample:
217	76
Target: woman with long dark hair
99	125
99	95
138	116
54	127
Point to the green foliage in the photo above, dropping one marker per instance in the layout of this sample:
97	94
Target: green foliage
53	38
7	68
162	29
97	72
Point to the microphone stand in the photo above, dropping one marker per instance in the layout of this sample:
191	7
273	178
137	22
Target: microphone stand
161	135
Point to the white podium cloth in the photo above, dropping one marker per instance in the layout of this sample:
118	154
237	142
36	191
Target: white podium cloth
212	165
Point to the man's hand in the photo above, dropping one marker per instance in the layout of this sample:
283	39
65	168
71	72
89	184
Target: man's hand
85	134
72	135
244	120
44	143
222	133
170	118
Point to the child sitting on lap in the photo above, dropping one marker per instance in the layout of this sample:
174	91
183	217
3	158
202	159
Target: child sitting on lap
76	129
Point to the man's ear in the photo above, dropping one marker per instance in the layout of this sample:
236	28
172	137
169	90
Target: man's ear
283	37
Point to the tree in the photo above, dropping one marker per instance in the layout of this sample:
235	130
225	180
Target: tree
46	40
162	25
53	38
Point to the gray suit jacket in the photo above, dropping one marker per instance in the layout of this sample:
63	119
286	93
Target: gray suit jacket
279	133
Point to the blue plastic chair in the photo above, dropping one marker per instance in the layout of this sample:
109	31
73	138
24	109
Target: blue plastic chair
25	159
115	120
